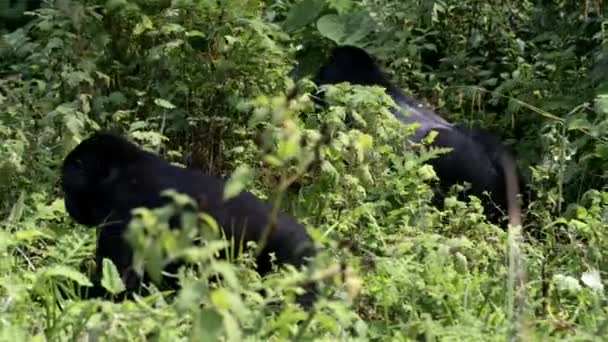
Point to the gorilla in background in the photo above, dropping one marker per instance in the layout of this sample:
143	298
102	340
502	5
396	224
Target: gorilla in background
477	156
106	176
12	14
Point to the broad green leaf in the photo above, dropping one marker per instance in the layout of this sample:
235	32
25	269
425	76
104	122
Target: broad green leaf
164	103
331	27
239	179
207	326
302	14
579	123
153	256
221	299
111	280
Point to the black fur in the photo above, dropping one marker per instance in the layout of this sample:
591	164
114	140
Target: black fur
475	156
14	20
106	176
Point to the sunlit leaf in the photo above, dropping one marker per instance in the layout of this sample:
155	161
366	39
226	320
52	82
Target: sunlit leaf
164	103
207	326
240	178
593	279
111	280
66	272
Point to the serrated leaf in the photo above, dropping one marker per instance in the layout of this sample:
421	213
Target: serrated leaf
426	172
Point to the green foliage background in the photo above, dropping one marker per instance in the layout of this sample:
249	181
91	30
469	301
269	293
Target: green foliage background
207	84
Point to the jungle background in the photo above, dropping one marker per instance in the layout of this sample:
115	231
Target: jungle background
222	86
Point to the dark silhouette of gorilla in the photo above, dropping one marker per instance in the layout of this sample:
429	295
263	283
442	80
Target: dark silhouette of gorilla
12	14
477	156
106	176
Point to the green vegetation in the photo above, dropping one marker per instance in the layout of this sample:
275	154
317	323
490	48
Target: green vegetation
207	84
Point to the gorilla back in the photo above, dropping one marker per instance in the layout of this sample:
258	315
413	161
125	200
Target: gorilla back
476	156
106	176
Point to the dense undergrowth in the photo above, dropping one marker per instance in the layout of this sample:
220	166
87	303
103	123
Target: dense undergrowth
209	85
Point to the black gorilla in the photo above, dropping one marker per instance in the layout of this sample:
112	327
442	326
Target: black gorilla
106	176
12	14
477	156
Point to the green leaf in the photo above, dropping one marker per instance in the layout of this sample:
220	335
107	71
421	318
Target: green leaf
153	256
601	150
366	142
144	25
195	33
17	209
113	5
272	160
164	103
302	14
566	283
221	298
66	272
579	123
237	182
111	280
30	235
208	326
331	27
226	269
172	28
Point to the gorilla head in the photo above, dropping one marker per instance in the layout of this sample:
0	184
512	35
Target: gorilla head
88	178
353	65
